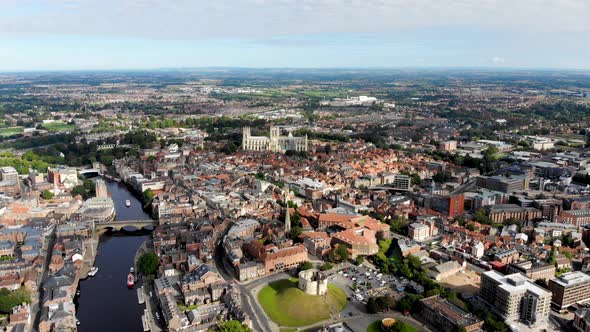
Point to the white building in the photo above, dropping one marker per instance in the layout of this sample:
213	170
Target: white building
540	143
418	232
478	250
516	299
9	173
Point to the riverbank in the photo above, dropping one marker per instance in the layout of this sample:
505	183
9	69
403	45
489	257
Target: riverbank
90	253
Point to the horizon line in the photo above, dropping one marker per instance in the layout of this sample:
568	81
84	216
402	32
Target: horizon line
147	69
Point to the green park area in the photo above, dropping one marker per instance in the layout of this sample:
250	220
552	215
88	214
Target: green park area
10	131
287	305
58	126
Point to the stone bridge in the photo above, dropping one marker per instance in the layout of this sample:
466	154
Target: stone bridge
90	171
118	225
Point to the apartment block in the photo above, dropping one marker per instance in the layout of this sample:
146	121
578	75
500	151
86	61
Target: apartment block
515	298
503	183
570	288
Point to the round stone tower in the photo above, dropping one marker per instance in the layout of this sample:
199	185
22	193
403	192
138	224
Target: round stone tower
313	282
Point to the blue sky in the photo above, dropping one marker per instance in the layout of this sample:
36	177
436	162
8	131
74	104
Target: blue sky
144	34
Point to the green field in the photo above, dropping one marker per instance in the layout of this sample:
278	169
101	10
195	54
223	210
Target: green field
374	327
58	126
10	131
287	305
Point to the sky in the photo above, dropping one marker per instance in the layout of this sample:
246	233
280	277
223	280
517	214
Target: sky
151	34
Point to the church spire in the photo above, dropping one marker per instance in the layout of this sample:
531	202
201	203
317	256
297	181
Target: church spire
287	215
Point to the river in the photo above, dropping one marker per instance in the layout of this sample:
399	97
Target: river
105	303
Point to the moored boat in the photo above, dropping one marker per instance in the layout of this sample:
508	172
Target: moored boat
130	280
127	203
92	271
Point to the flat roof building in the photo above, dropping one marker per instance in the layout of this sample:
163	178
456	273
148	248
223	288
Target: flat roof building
570	288
447	316
8	173
515	298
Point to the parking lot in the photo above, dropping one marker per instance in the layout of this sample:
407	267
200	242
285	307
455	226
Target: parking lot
362	283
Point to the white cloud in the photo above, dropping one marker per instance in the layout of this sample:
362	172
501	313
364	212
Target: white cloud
197	19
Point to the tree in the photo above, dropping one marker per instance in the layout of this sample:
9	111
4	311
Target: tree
148	196
10	299
409	303
47	194
79	190
400	326
328	148
359	260
490	151
440	177
481	217
148	263
295	232
305	266
229	148
342	251
233	326
89	186
380	304
326	266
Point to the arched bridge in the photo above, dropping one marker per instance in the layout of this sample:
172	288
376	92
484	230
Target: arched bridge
90	172
120	224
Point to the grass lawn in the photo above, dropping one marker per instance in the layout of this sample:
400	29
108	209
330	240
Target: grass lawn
287	305
10	131
375	326
58	126
187	308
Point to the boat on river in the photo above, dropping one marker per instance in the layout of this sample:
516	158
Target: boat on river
127	203
93	271
130	280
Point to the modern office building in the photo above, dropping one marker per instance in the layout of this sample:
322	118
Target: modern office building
569	288
401	182
451	205
503	183
515	298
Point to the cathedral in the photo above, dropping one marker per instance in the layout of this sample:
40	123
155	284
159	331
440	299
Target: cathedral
275	142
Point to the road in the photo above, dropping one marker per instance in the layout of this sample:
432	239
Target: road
35	308
258	317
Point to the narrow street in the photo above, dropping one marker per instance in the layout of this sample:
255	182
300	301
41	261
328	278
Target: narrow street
35	308
259	321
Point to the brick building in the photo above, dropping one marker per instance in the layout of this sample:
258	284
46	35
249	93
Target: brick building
448	317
